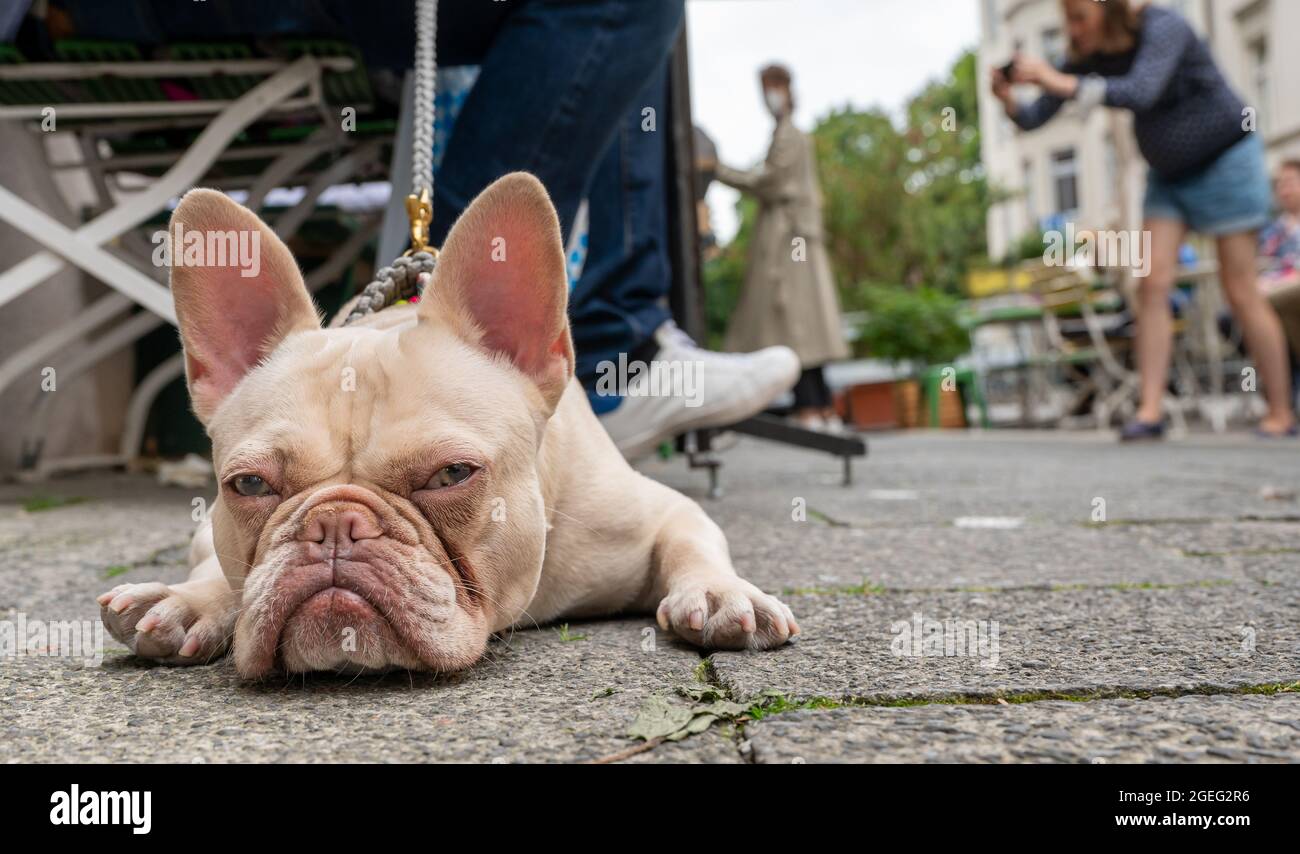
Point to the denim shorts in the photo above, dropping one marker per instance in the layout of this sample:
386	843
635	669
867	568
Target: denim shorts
1231	195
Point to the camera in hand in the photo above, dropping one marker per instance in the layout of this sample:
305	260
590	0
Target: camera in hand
1010	68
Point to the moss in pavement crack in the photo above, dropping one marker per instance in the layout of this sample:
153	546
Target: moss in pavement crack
712	704
774	703
38	503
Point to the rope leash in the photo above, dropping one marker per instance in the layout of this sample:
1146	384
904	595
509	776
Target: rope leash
401	281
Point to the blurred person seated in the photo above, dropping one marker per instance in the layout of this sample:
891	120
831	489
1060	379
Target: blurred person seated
1279	277
1279	249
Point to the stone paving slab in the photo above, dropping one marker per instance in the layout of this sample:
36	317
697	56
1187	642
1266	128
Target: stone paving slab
1279	569
1043	476
1225	728
539	698
57	560
1199	506
117	528
1223	539
1073	641
787	555
1266	552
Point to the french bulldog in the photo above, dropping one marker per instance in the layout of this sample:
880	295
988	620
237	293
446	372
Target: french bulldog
395	491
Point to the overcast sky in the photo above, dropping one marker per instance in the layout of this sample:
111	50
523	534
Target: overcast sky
860	52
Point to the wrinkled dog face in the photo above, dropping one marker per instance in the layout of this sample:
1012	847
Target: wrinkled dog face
366	515
379	501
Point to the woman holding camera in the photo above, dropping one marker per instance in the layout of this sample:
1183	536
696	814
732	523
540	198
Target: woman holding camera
1207	174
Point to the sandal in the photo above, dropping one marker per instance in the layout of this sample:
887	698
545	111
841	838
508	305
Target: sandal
1142	431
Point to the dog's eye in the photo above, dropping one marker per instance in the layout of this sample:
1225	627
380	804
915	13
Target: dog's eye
251	485
450	475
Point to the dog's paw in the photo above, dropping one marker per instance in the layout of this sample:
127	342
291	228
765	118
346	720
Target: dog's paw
726	613
165	623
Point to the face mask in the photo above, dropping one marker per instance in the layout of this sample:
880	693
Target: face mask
775	101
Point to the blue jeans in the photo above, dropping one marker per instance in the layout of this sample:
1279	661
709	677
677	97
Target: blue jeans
621	297
560	93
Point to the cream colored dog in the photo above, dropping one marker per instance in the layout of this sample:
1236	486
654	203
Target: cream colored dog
395	491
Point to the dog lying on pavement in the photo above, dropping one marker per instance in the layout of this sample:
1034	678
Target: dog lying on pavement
393	492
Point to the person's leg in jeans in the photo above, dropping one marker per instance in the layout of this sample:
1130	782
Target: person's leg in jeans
620	300
553	86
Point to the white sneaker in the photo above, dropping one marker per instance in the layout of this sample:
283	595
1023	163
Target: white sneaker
713	390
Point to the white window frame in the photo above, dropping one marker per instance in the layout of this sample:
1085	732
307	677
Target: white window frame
1064	165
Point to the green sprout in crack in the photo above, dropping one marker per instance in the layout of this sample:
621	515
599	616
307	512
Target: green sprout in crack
115	570
772	703
566	636
827	520
1272	689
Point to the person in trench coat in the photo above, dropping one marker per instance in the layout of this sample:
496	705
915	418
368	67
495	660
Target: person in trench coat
789	295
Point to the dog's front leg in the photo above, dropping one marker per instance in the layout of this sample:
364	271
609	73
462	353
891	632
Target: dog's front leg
696	593
187	623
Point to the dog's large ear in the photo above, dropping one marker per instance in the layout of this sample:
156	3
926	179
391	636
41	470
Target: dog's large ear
501	282
233	308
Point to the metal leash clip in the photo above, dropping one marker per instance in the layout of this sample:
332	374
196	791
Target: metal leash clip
419	210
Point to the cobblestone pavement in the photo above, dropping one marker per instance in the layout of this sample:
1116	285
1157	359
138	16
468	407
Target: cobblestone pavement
972	597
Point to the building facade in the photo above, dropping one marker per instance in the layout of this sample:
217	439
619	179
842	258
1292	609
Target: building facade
1086	169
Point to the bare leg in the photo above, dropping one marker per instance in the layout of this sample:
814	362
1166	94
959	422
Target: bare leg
1154	322
1258	320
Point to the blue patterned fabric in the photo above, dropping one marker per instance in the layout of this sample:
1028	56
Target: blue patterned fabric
1279	247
